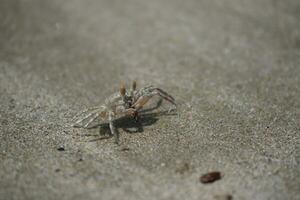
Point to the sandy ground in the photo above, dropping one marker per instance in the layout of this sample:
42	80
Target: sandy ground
232	65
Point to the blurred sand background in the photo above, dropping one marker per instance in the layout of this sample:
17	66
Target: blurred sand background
232	65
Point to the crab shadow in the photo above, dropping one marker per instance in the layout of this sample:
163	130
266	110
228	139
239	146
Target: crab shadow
129	125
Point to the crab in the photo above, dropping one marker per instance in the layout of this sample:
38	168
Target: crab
121	104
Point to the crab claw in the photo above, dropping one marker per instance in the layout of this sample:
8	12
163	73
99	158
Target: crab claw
131	112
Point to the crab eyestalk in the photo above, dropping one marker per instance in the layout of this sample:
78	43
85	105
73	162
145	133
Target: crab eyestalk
123	94
133	88
133	85
122	89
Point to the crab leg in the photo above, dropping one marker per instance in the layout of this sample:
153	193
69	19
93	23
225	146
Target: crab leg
165	94
112	126
86	117
91	120
149	92
88	109
141	102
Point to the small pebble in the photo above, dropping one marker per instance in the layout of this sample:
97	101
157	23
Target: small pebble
57	170
125	149
210	177
61	148
223	197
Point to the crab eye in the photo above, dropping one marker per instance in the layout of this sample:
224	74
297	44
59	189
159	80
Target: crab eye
122	89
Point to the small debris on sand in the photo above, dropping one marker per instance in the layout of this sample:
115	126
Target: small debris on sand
223	197
61	148
125	149
183	168
57	170
210	177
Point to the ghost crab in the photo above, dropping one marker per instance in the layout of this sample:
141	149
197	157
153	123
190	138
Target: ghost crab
121	104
